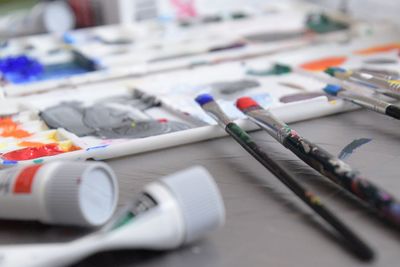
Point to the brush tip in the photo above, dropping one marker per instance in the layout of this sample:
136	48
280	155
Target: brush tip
332	70
246	102
332	89
204	99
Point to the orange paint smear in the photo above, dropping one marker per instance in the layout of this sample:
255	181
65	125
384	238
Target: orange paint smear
322	64
30	144
36	152
378	49
73	148
12	129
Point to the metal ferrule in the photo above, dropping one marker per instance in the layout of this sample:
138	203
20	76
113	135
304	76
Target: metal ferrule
270	123
213	109
365	101
394	85
381	82
365	77
389	93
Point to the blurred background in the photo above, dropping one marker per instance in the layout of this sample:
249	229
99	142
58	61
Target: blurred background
26	17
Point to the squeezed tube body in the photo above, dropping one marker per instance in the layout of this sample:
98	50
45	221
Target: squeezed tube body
70	193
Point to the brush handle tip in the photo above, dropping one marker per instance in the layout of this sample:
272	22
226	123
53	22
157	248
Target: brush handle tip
393	111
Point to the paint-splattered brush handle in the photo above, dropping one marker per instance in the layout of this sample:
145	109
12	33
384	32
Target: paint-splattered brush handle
355	243
342	174
364	101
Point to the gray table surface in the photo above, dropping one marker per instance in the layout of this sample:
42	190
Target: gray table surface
266	225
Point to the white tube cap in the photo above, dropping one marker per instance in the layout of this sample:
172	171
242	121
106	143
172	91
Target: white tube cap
200	201
80	193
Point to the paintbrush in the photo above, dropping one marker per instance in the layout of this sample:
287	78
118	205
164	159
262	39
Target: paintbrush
384	74
208	104
322	161
364	101
153	101
280	68
378	81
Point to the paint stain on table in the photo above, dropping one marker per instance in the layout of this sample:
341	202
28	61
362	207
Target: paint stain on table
350	148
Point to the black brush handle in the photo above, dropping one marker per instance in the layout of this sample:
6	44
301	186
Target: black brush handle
361	249
393	111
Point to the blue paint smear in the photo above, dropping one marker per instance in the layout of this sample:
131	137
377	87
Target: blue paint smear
51	72
10	162
96	147
349	149
20	68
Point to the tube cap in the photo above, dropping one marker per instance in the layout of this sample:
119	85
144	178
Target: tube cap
200	201
80	193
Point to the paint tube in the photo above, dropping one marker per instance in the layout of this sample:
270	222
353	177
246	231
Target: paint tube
60	192
176	210
43	17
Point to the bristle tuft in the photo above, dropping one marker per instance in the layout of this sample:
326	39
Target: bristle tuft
244	103
204	99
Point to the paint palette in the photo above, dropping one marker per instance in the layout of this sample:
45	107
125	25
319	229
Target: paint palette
73	123
122	118
103	53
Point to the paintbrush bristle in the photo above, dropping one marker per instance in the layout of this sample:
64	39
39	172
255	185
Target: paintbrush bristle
333	70
246	103
332	89
204	99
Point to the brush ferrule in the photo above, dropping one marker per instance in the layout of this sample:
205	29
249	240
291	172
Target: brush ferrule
213	109
392	94
368	78
365	101
343	75
275	127
250	109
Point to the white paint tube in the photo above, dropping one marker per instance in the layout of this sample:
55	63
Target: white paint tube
59	192
173	211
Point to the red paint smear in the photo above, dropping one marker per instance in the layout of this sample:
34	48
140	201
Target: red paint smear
33	152
162	120
378	49
12	129
322	64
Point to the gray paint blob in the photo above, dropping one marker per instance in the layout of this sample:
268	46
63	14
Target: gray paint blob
380	61
303	96
108	119
68	115
266	37
142	129
103	116
232	87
